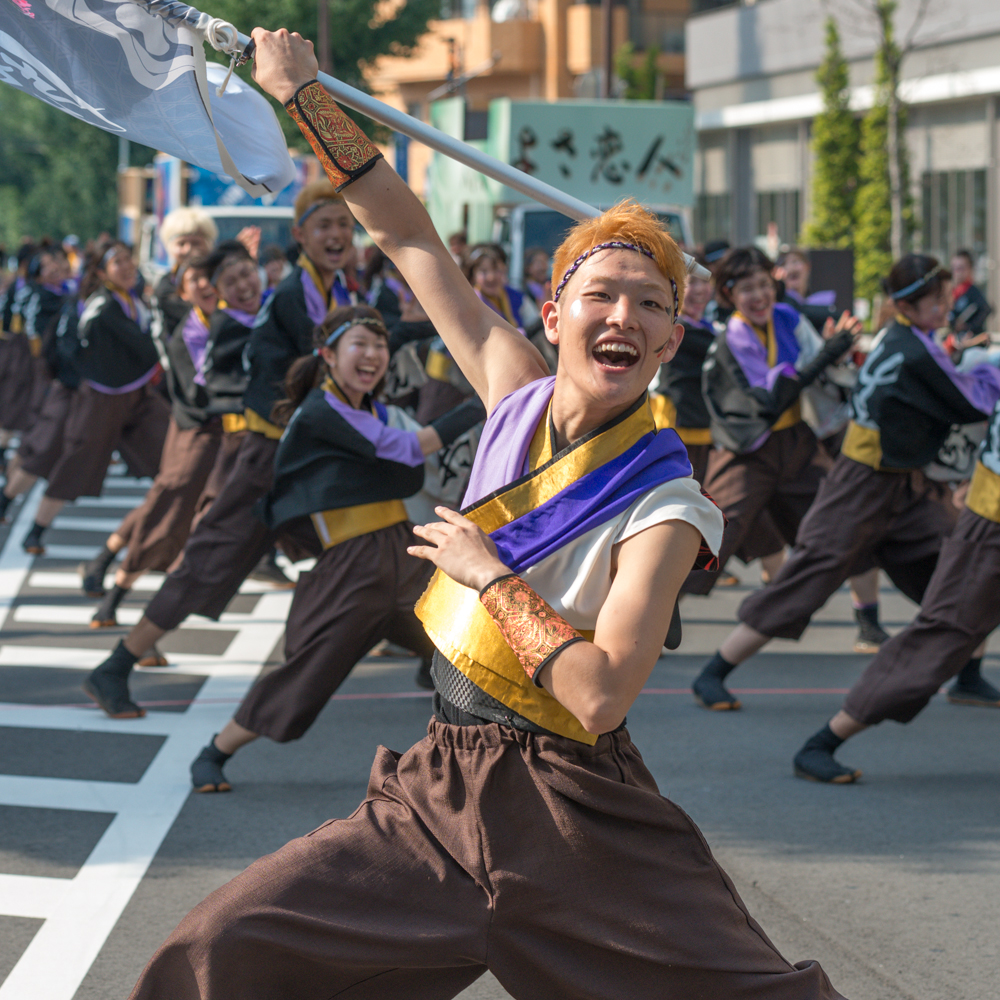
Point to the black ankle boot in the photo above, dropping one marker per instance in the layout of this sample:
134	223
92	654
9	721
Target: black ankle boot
710	692
871	635
107	684
92	573
971	688
206	769
815	761
32	543
104	616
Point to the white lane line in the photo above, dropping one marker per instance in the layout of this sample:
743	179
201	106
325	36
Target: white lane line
14	561
121	502
71	658
32	896
104	525
84	552
83	720
81	614
57	580
61	953
64	793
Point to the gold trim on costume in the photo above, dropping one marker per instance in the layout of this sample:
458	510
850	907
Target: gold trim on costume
438	366
791	416
665	415
255	422
984	493
863	444
233	423
336	526
310	268
454	617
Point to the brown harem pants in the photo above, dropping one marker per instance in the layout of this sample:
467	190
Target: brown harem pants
960	609
228	542
861	516
779	480
135	423
41	446
556	865
156	531
359	592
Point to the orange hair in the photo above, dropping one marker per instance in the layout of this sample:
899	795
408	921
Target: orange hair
321	190
628	222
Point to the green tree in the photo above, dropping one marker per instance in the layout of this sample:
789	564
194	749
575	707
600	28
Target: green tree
640	80
360	31
836	144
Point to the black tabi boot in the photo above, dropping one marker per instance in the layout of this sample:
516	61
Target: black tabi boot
108	685
971	688
153	658
32	543
5	502
206	769
871	635
815	761
92	573
710	692
104	616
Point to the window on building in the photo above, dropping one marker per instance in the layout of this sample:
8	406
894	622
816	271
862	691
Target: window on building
712	217
781	208
953	212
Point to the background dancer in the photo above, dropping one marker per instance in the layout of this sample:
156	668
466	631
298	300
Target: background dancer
343	465
766	458
116	406
875	504
452	863
230	540
960	608
156	531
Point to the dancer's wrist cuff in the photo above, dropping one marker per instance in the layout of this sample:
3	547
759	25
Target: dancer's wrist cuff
343	150
529	625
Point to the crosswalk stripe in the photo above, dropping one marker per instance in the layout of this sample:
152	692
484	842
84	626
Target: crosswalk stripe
80	614
64	793
120	501
72	658
55	580
32	896
74	552
105	525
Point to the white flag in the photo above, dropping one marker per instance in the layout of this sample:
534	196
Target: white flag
114	64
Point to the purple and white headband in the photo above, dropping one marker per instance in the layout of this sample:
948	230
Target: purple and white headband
612	245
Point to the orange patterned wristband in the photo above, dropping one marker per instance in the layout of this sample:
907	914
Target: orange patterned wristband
532	629
343	150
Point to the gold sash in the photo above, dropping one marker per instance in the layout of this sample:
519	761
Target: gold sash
665	415
455	619
336	526
984	493
255	422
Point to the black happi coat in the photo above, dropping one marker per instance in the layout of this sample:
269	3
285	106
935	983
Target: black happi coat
283	332
168	307
323	463
680	378
225	378
909	395
41	307
970	311
61	344
114	349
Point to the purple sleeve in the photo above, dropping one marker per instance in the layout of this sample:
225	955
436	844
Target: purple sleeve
392	444
980	385
195	335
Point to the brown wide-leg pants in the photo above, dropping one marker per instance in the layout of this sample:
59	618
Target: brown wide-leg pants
155	532
228	542
41	446
960	609
359	592
556	865
135	423
895	520
780	480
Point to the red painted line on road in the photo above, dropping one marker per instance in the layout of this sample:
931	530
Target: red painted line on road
396	695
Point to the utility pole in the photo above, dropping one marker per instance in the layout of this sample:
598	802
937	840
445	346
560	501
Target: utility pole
323	34
607	19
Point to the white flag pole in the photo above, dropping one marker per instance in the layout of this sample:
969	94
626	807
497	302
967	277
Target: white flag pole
524	183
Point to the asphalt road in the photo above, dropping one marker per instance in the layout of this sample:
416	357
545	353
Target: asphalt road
891	884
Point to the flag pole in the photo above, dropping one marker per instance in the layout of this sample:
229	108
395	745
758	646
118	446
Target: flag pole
220	35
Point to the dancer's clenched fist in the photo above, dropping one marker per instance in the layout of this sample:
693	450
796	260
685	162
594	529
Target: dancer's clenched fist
283	62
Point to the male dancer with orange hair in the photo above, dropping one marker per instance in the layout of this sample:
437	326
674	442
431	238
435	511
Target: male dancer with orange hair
524	834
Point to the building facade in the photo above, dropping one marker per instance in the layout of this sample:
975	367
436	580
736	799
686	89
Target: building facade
751	70
521	49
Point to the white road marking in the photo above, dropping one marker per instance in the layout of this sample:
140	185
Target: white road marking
72	658
32	896
102	525
81	614
81	912
56	580
120	502
83	552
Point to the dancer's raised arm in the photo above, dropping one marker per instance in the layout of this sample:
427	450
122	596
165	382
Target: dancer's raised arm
494	357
